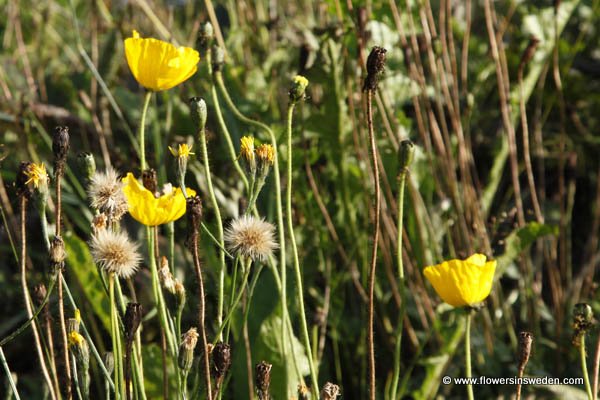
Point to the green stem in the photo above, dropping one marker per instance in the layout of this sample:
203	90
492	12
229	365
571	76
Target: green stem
234	304
114	326
215	205
402	284
468	355
142	130
226	134
11	381
584	369
290	224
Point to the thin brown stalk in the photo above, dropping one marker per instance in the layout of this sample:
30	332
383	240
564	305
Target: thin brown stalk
504	107
27	298
201	312
61	308
248	349
373	264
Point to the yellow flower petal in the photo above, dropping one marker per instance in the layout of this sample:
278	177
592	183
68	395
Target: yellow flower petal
159	65
462	282
149	210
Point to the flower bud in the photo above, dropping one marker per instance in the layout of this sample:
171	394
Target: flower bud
109	362
247	153
583	320
205	38
186	349
263	380
73	325
60	147
199	111
132	320
218	58
87	163
80	349
406	154
57	250
265	154
330	391
375	67
221	357
179	292
165	276
298	88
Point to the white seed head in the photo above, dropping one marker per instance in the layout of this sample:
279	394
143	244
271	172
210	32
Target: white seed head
114	252
106	194
251	237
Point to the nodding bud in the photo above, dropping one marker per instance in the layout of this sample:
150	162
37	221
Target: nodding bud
218	58
57	250
406	154
583	320
109	362
298	88
221	358
330	391
205	38
60	146
529	51
375	67
132	320
198	110
186	349
263	380
87	163
150	181
23	189
525	341
303	392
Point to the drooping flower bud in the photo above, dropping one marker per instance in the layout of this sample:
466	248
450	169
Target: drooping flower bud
198	111
60	147
186	349
406	154
132	320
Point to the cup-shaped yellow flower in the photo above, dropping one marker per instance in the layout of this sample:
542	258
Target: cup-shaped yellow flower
159	65
149	210
462	282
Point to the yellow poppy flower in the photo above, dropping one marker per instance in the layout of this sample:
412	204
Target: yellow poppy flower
149	210
159	65
462	282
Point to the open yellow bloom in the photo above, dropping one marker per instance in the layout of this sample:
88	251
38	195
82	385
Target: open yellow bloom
75	339
36	175
183	151
462	282
159	65
149	210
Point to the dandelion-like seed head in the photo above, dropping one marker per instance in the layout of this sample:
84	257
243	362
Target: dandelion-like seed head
106	194
115	253
251	237
183	151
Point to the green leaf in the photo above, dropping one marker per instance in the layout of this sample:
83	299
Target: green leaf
81	265
519	240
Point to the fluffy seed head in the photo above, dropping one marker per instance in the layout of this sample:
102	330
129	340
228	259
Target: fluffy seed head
106	194
251	237
115	253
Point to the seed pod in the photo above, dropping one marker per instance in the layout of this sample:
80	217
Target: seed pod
375	67
132	320
263	379
87	163
205	37
194	216
221	357
525	341
218	58
60	147
57	250
198	111
406	154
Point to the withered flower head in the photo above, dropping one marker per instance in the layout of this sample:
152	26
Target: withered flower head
165	275
186	349
375	67
115	253
330	391
525	341
263	379
583	320
57	250
251	237
106	194
132	320
60	146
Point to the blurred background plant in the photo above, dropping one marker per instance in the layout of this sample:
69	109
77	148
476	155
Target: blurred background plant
460	77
